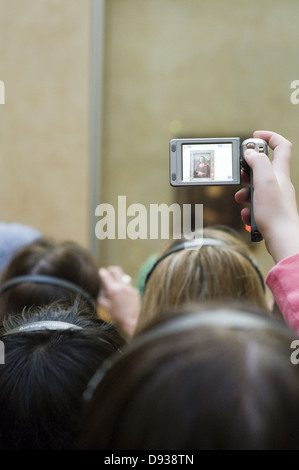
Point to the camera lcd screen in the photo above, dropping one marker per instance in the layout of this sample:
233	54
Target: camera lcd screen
207	162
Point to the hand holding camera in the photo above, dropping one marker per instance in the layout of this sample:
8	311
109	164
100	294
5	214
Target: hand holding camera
274	196
216	161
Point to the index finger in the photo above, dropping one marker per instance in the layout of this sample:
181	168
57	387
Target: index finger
108	280
282	150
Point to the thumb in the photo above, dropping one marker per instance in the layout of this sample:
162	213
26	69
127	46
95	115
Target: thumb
261	167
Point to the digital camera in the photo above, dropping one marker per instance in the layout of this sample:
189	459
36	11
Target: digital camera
216	161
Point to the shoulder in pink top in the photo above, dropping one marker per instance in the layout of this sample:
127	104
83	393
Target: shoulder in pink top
283	281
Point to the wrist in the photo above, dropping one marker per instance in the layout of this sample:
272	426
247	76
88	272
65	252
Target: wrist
283	241
126	328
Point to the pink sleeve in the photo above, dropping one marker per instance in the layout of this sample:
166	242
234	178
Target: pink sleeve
283	281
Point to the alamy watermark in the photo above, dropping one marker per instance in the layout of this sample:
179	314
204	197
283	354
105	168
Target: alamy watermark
137	222
295	94
2	353
294	356
2	92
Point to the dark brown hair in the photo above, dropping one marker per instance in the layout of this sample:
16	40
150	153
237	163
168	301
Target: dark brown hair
46	372
208	378
65	260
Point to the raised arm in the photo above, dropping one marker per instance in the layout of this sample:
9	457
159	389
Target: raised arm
120	299
275	206
276	215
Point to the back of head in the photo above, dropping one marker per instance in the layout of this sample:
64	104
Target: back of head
65	260
209	379
216	266
50	355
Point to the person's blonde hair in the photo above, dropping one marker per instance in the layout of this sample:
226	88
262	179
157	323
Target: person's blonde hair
210	272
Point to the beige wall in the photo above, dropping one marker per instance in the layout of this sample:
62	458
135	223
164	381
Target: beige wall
44	123
189	68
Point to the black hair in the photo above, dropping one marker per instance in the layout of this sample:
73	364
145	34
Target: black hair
46	372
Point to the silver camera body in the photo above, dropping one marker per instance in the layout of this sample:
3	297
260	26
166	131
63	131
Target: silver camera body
216	161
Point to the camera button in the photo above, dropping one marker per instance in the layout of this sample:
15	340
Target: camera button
250	145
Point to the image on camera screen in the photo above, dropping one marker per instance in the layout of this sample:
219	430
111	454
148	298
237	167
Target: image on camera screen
207	162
